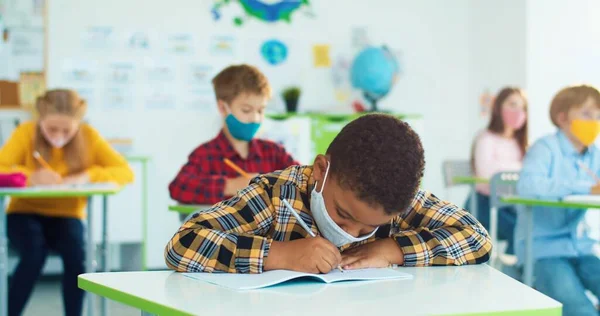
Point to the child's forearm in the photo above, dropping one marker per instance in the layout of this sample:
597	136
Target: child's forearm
276	258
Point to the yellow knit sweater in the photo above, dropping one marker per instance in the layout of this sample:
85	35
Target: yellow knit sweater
106	166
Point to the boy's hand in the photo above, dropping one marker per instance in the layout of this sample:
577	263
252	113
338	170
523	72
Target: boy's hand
311	254
44	177
377	254
596	189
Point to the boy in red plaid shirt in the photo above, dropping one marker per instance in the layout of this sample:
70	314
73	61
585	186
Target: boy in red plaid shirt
242	93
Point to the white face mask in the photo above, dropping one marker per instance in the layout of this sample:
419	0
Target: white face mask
328	228
56	142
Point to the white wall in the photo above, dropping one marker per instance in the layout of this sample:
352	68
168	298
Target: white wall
562	49
434	37
497	48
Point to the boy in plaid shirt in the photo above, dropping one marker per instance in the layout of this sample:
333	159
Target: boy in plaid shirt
361	198
242	93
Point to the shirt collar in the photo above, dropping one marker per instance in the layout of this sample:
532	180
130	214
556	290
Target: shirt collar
567	147
254	148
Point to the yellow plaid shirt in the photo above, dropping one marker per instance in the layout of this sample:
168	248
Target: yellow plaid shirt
235	235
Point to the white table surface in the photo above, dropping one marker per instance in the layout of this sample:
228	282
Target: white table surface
433	291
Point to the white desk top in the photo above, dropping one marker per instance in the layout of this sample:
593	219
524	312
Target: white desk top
434	290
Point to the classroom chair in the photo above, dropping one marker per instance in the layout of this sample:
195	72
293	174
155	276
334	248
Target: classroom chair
453	170
501	184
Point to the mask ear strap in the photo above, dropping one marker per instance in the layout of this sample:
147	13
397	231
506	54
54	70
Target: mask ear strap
324	179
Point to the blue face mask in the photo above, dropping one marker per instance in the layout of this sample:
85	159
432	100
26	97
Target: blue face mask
240	130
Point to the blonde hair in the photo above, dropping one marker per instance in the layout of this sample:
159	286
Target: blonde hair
572	97
68	103
238	79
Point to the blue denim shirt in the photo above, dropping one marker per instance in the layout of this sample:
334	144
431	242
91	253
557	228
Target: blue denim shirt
550	171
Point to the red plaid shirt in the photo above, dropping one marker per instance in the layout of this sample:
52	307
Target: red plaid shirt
202	179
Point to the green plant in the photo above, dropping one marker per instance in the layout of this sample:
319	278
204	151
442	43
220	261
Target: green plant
291	94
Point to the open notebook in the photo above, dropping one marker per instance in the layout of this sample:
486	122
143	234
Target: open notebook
86	186
592	199
265	279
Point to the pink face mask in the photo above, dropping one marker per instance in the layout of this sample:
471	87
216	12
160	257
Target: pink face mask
514	118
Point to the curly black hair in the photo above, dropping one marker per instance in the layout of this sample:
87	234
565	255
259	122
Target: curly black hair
381	159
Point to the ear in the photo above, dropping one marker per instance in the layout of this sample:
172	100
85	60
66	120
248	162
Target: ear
222	107
562	119
319	168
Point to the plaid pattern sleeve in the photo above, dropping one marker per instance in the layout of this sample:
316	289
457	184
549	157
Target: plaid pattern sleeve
229	237
435	232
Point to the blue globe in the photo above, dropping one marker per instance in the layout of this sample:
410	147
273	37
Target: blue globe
274	51
374	71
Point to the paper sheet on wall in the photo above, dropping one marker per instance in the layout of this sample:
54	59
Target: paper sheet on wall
223	46
95	38
119	85
198	91
27	49
321	56
160	86
180	43
138	41
81	75
23	13
32	85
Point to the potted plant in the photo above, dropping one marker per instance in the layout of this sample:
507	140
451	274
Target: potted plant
290	96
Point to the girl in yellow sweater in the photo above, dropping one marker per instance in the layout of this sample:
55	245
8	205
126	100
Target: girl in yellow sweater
77	154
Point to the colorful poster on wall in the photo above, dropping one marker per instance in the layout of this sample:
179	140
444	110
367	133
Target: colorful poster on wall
268	11
81	75
159	89
27	49
198	92
96	38
79	71
138	41
274	52
119	85
159	97
159	71
200	99
31	86
223	45
321	56
180	43
199	75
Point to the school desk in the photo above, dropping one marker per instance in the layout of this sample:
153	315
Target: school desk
83	191
574	201
466	290
472	182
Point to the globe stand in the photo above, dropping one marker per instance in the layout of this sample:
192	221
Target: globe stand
372	100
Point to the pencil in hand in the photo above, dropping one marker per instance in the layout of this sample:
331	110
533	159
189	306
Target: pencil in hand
236	168
588	171
41	160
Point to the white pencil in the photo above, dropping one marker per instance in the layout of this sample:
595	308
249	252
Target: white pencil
588	171
298	218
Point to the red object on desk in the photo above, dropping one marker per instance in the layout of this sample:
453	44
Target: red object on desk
13	180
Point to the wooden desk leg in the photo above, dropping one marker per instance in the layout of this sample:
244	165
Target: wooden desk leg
3	261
